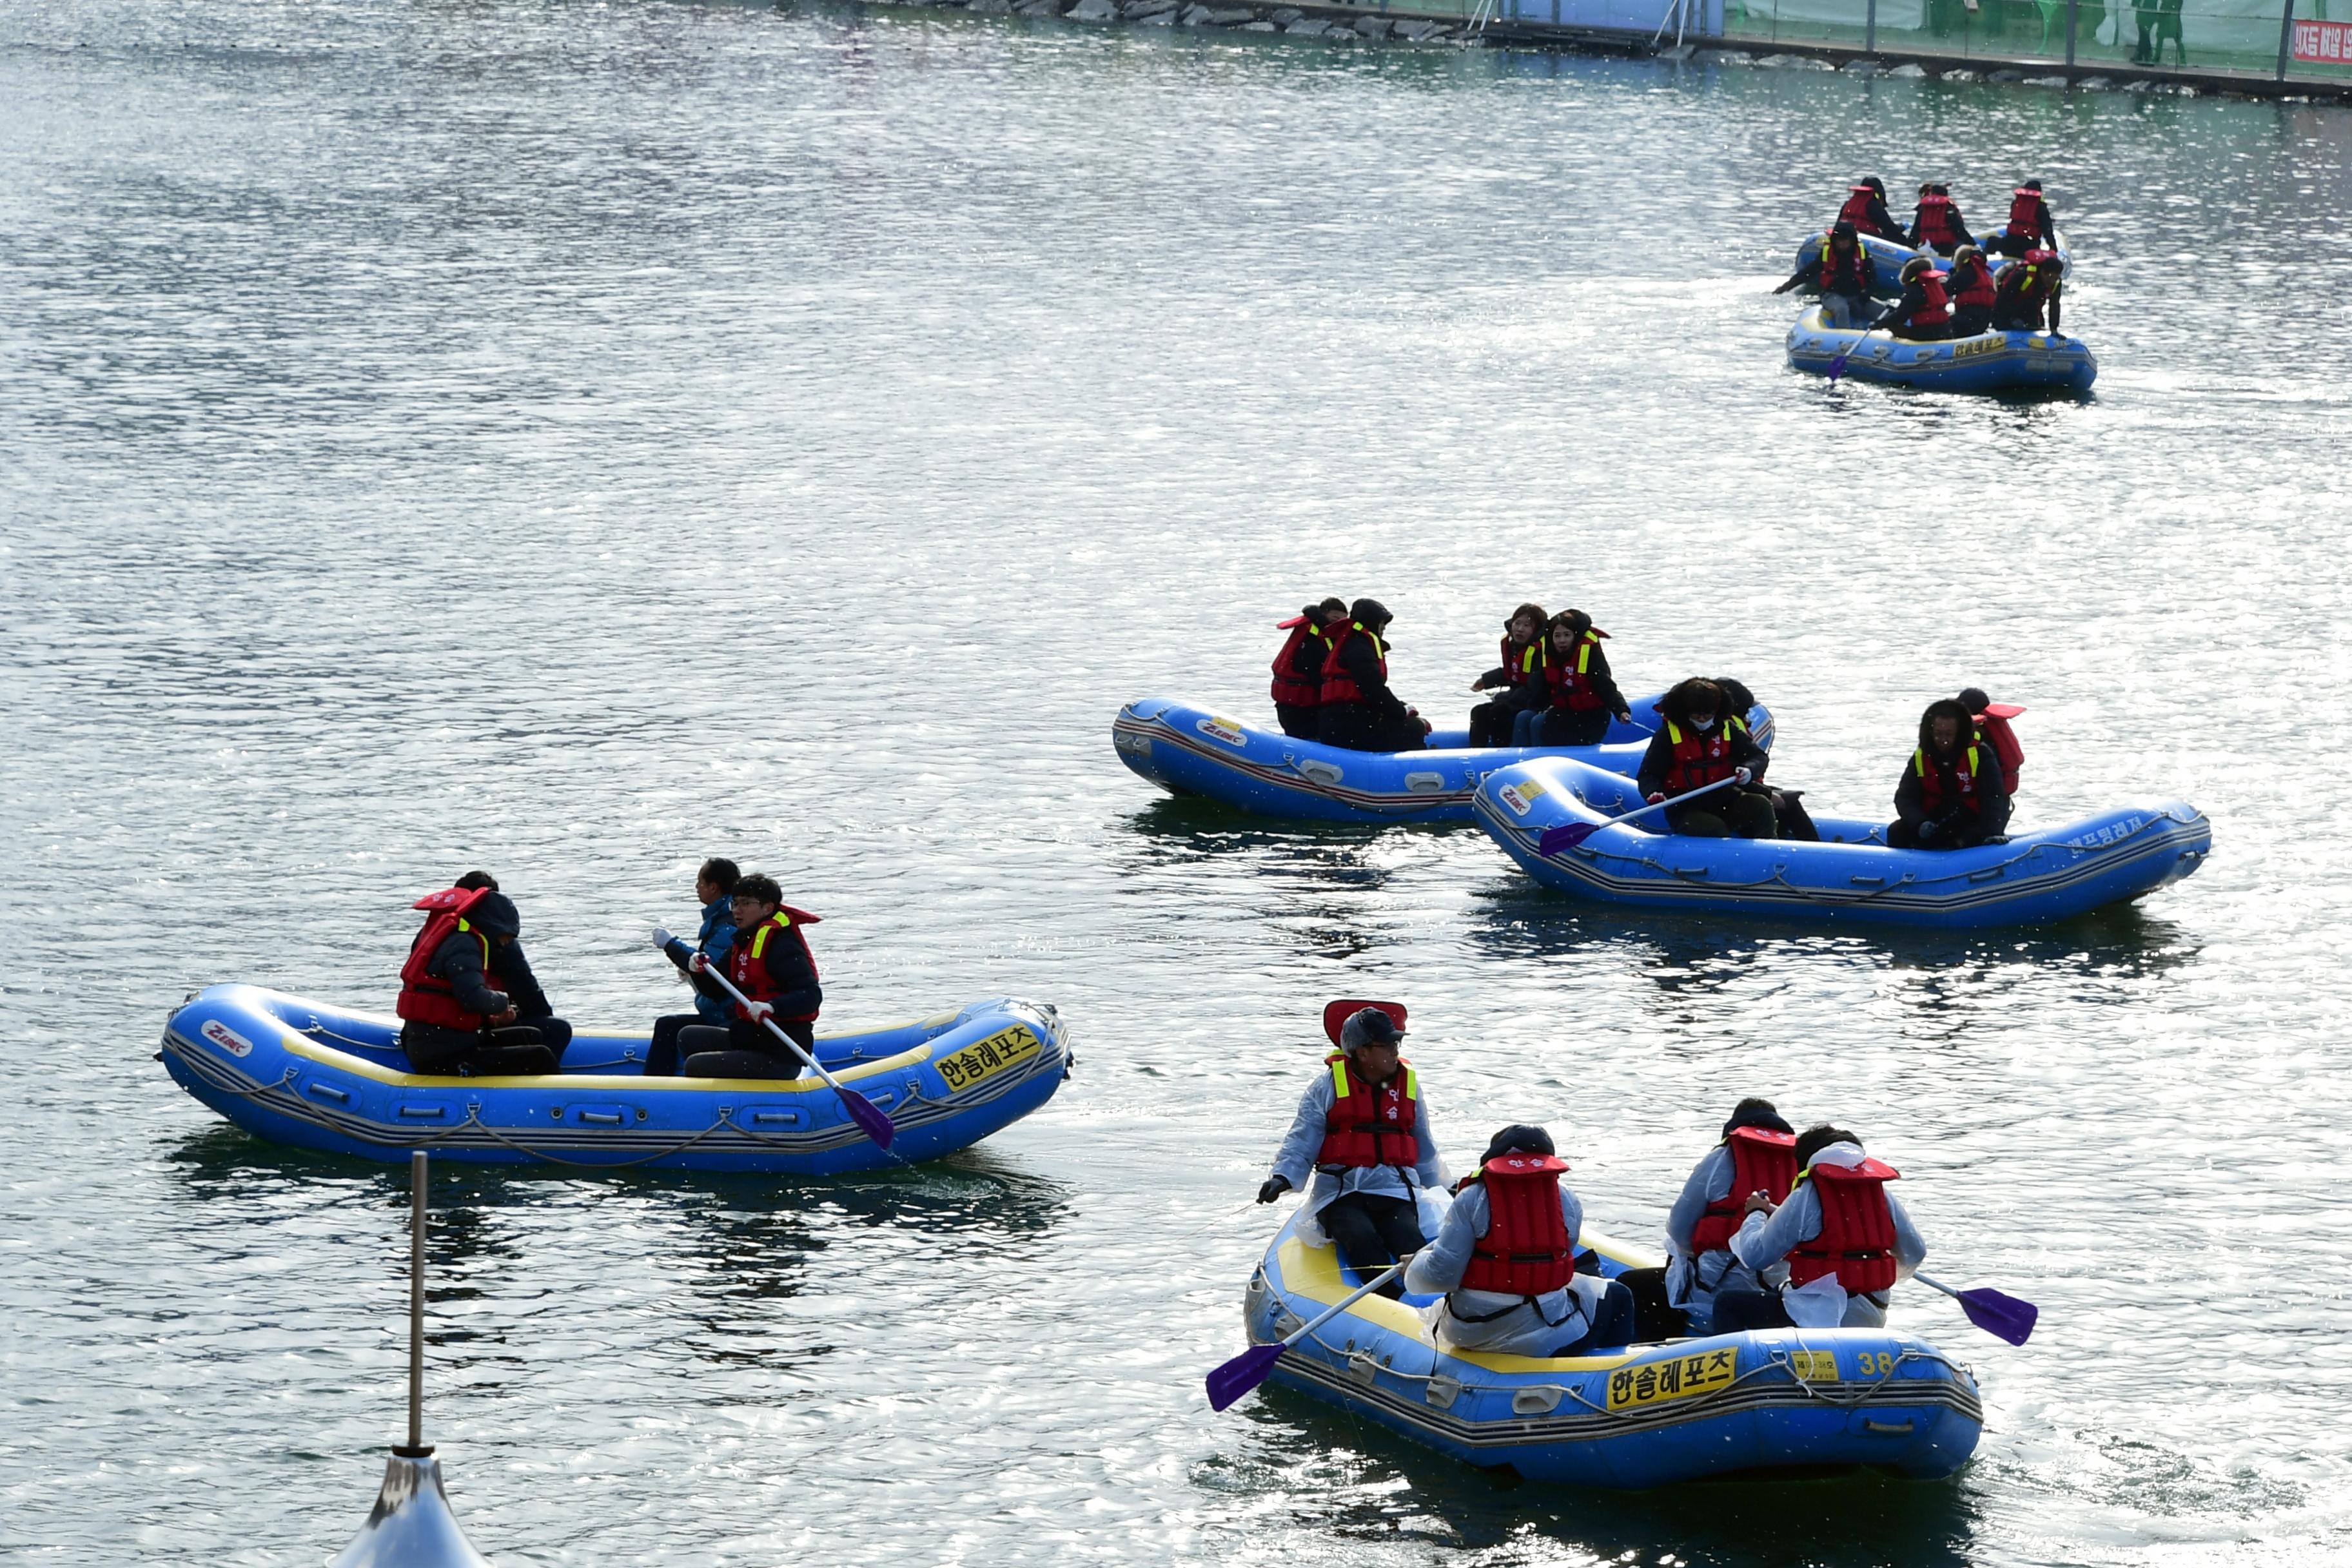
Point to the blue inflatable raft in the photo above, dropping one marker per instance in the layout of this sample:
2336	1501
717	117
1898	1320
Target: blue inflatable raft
1887	259
1188	749
1990	362
300	1072
1810	1399
1850	875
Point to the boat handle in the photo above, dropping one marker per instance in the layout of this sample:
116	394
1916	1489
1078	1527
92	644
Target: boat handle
1540	1399
331	1091
603	1117
775	1118
1690	870
1891	1428
1868	881
434	1112
1987	874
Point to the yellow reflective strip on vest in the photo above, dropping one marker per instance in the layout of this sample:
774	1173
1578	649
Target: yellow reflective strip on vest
1673	734
1339	1077
1411	1085
1584	654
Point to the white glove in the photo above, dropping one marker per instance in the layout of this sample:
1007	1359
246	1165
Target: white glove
699	963
1742	775
760	1012
662	937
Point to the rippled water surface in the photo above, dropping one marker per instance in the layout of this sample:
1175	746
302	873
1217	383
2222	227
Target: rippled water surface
577	438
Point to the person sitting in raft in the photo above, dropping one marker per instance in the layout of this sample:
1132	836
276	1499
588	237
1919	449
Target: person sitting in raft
769	963
1700	743
1841	273
1865	208
1992	727
457	1018
714	889
1844	1238
1581	697
1971	288
1360	712
1299	667
1935	222
1923	315
1519	680
1362	1132
2030	225
1951	796
1757	1154
2024	289
1506	1259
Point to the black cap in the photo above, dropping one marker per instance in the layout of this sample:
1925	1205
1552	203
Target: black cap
1974	699
1369	1027
1527	1139
497	915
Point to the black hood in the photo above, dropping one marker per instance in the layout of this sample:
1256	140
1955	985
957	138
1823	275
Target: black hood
1762	1120
497	915
1946	708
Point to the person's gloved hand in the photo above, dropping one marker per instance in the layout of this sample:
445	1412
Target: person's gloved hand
1742	775
760	1012
662	937
1928	831
1272	1188
1624	717
699	963
1657	797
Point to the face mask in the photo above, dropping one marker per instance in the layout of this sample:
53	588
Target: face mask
1704	725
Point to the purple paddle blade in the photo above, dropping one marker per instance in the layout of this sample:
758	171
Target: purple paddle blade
868	1116
2004	1317
1556	839
1241	1375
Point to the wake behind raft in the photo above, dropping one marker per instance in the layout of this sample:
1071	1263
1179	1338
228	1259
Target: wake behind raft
1189	750
1850	875
301	1072
1643	1417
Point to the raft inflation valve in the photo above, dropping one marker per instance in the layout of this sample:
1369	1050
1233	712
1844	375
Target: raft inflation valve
411	1526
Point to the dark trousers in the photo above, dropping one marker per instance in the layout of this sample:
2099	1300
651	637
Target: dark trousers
1970	321
662	1055
743	1049
516	1049
1372	1232
1490	723
1612	1326
1735	813
1965	831
2024	317
1921	331
1299	721
1738	1310
1566	727
2008	244
1360	727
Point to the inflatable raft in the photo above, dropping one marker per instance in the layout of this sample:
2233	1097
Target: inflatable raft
1990	362
300	1072
1887	259
1851	874
1681	1410
1189	750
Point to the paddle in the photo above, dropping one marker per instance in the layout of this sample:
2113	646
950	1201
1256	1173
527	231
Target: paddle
1556	839
1337	1014
1837	366
1247	1370
862	1110
2003	1316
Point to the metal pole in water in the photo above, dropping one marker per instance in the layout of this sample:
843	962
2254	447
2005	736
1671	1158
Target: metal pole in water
417	1181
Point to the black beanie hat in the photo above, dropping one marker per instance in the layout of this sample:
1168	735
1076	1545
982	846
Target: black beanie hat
1520	1136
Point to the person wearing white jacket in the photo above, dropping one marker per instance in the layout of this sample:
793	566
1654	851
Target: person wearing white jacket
1845	1240
1755	1155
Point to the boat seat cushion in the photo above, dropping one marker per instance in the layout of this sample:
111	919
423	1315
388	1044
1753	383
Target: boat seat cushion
737	1064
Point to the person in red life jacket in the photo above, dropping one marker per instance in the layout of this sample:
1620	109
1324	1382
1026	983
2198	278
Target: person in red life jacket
2030	225
1581	696
1757	1154
1518	679
1839	272
2024	289
1843	1235
1360	1148
1971	288
1992	727
768	963
1923	313
1505	1260
469	1002
1950	796
1865	208
1358	710
1935	223
1299	667
1699	741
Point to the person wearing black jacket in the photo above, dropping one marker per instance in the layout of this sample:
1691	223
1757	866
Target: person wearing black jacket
1950	796
1517	682
482	963
2030	225
1923	312
1298	666
1866	207
1936	224
1581	696
768	963
2021	290
1699	742
1840	271
1360	712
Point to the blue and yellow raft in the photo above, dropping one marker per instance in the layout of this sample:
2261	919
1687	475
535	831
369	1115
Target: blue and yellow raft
1189	750
1851	874
300	1072
1989	362
1807	1399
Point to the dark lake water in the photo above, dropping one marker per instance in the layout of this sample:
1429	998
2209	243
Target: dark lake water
578	438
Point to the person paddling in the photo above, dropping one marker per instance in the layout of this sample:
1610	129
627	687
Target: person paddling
1362	1137
1758	1154
769	963
1845	1240
469	1002
1701	742
1950	795
1298	666
1506	1259
714	889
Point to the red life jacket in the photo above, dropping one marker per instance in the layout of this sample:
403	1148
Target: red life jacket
2036	277
747	960
1973	287
1993	726
1762	1161
1338	685
1967	773
1857	210
426	998
1570	680
2025	213
1291	689
1938	224
1527	1250
1846	274
1934	310
1700	759
1368	1126
1523	664
1857	1238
